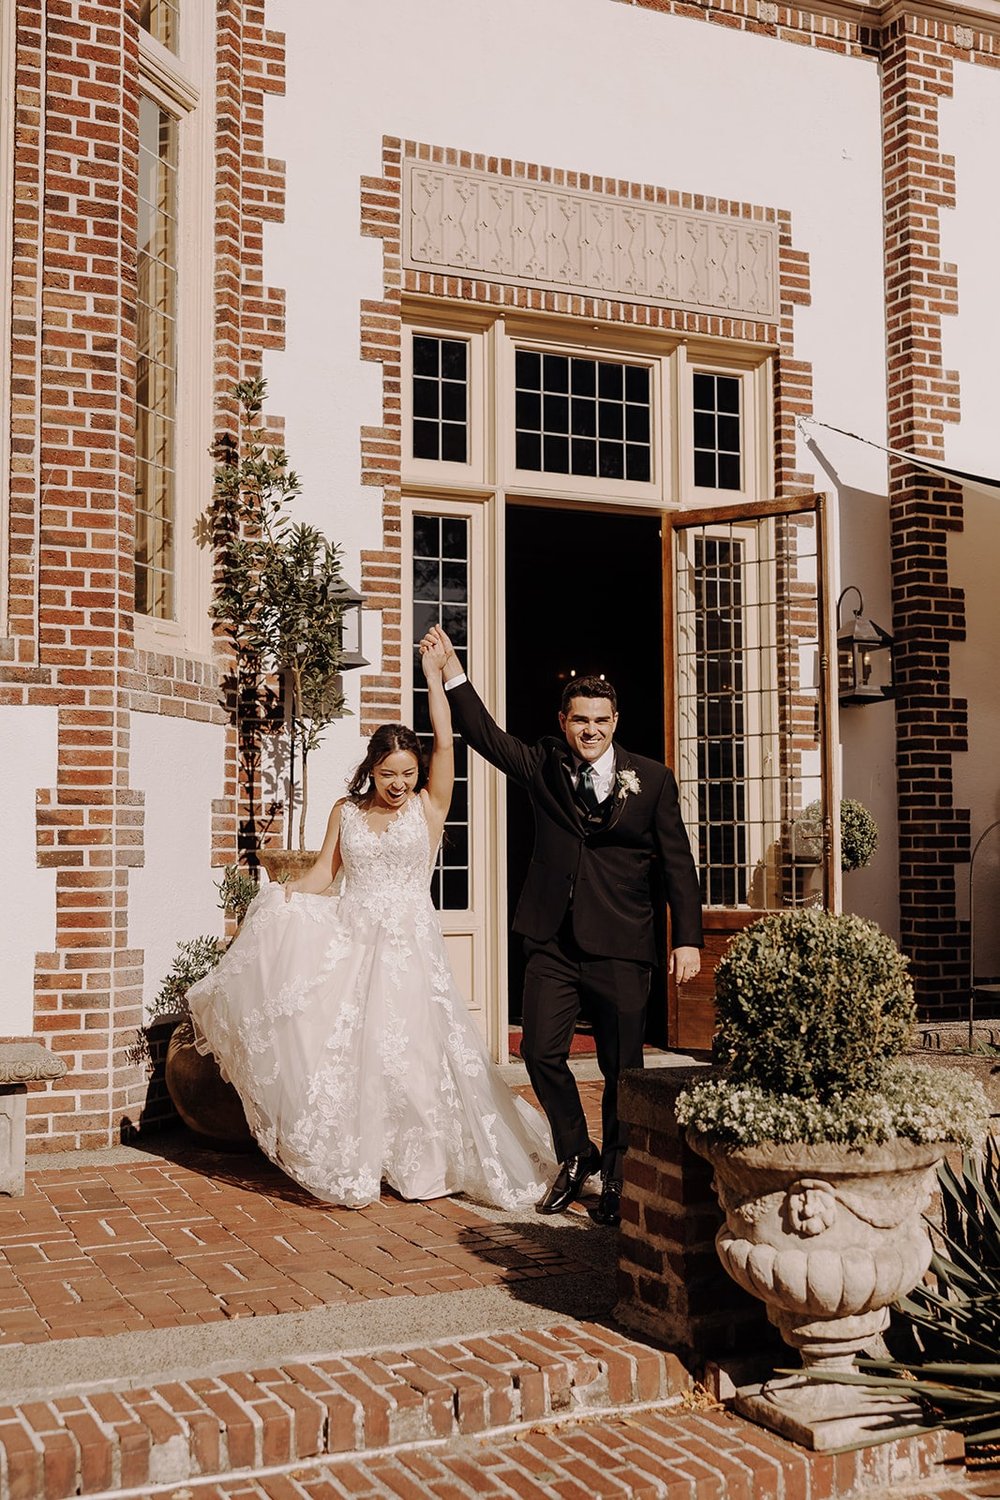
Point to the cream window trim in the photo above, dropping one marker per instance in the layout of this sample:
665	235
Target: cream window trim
427	471
472	935
573	486
184	87
756	395
8	49
175	80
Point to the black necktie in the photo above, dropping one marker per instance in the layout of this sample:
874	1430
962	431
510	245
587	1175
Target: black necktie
586	788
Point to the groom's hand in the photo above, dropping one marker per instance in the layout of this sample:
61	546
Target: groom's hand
685	964
438	642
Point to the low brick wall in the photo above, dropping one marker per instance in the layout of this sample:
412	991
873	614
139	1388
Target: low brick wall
671	1285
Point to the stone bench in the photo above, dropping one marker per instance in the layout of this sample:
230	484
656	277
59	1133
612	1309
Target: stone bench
21	1063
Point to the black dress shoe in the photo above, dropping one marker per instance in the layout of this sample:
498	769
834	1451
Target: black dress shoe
608	1208
570	1181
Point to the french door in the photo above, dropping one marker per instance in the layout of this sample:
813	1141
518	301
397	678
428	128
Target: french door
752	720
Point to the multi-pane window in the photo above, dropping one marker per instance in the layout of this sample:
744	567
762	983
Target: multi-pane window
160	18
156	363
721	709
717	436
441	546
586	417
750	715
440	399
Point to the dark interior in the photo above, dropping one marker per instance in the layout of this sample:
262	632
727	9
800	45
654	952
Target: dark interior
584	595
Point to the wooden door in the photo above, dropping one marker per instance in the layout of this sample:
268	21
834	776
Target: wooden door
751	720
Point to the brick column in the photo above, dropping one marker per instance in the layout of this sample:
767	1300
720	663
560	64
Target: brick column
670	1281
928	613
70	642
88	1003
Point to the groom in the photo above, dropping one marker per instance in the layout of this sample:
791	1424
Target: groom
603	819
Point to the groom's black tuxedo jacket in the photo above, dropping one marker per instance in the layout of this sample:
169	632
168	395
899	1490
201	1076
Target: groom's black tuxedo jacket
599	868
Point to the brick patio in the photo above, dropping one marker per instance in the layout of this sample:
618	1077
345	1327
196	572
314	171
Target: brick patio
161	1245
154	1247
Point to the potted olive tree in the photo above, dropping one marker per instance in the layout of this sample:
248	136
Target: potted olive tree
824	1143
203	1099
279	598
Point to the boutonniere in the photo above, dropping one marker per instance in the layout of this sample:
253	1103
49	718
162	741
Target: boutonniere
628	783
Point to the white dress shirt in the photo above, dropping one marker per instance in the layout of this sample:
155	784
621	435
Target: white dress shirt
604	773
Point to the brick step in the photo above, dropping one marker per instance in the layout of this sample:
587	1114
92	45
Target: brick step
650	1453
101	1441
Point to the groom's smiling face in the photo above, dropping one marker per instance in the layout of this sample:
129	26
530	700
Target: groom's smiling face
589	726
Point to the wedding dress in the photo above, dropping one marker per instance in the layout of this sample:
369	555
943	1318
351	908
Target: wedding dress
338	1021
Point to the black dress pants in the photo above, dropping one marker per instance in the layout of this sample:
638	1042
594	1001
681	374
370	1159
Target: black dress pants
562	982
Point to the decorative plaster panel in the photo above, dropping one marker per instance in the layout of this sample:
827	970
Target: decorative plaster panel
473	224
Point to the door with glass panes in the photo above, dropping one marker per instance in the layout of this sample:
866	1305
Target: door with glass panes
753	720
443	538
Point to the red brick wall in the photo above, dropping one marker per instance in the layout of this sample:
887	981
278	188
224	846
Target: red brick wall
69	636
928	612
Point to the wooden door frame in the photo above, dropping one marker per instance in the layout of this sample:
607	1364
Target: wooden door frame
716	927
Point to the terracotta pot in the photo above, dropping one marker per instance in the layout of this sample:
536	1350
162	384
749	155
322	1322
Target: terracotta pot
206	1103
286	864
827	1237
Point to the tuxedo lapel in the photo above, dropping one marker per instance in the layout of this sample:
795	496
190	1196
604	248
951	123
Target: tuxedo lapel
561	784
618	794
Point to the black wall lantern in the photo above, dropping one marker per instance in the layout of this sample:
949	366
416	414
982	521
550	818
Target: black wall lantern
350	602
864	657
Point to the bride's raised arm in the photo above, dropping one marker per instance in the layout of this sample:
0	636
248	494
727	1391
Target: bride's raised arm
434	651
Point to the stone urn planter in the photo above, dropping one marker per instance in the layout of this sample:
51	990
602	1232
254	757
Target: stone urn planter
827	1237
205	1101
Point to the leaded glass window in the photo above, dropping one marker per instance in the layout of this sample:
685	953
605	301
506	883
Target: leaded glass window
441	546
161	19
717	431
721	712
156	363
440	399
585	417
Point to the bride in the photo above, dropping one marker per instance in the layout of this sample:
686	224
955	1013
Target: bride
337	1018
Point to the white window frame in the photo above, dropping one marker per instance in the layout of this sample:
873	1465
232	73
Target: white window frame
655	492
755	373
473	924
184	87
431	471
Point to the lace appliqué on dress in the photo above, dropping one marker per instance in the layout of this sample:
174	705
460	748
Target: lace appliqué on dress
338	1021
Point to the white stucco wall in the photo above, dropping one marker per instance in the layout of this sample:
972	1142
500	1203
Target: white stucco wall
579	84
28	756
178	765
970	235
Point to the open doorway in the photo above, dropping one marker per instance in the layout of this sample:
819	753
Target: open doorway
584	594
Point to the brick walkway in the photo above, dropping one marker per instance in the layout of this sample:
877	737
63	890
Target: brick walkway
567	1410
117	1249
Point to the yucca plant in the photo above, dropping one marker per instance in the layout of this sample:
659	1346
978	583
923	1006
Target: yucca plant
950	1334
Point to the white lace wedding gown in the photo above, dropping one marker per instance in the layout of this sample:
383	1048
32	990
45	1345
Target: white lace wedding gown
338	1021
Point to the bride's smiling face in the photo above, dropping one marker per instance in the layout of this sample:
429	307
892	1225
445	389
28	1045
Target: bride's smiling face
395	778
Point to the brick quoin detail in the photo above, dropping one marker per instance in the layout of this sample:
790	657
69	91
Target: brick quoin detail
928	613
381	342
70	641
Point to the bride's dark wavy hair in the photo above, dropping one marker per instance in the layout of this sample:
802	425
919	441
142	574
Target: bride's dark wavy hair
386	740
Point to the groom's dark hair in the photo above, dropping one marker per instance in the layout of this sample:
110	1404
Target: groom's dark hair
588	687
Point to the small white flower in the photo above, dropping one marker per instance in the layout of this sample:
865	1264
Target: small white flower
628	782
